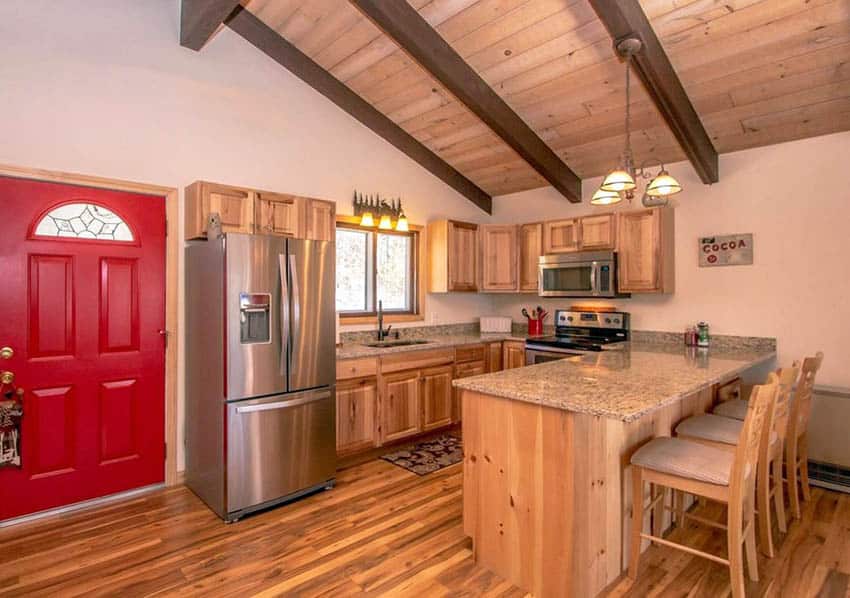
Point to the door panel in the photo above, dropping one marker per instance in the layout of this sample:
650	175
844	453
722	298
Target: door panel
312	352
400	406
436	397
82	312
278	445
255	271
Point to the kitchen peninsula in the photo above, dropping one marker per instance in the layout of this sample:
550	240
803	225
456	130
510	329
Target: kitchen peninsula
546	460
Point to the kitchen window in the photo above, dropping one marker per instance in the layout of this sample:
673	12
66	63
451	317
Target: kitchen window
375	265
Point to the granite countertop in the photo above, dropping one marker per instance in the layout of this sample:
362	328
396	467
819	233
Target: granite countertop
442	341
623	384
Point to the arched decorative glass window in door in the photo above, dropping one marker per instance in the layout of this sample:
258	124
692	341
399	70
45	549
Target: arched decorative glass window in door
83	221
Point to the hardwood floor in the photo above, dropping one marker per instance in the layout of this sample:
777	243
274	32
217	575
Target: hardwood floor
382	531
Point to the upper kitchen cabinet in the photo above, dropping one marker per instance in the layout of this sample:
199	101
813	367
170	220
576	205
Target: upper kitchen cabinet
561	236
321	220
499	258
530	250
278	214
645	251
597	232
234	206
453	256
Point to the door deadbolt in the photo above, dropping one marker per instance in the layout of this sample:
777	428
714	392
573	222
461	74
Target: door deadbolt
7	377
6	353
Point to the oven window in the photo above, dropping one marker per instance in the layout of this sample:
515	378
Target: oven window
576	278
544	357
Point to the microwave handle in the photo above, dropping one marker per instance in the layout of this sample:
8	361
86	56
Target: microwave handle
594	290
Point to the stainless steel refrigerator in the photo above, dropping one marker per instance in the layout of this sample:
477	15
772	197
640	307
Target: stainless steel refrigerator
260	369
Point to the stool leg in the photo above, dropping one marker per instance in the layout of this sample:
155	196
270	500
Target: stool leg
763	490
779	489
637	520
791	472
734	527
679	506
750	539
657	512
804	467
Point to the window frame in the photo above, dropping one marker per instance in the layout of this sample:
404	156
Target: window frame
417	290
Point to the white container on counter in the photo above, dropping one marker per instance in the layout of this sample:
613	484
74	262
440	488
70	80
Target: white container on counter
495	323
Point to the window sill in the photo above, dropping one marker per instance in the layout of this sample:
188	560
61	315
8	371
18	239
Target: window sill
388	319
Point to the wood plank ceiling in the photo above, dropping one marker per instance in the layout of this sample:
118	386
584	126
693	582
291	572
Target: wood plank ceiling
758	72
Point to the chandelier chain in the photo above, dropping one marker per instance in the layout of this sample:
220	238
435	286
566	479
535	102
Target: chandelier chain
628	106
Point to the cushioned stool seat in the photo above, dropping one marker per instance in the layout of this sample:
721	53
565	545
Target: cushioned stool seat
686	459
715	428
736	409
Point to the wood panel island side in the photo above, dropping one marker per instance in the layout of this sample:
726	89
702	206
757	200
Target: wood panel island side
546	475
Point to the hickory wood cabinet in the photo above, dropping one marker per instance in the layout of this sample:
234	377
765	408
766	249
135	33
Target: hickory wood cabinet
257	212
509	254
645	251
452	256
513	354
380	400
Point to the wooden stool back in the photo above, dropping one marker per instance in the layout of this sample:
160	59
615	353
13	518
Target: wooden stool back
801	406
782	408
759	412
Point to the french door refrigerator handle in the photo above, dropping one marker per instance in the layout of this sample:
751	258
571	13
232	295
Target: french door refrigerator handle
285	328
283	404
296	297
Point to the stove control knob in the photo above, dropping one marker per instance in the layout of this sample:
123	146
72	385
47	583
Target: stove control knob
607	320
569	318
616	320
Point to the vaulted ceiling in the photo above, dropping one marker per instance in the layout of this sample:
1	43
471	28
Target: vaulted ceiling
758	72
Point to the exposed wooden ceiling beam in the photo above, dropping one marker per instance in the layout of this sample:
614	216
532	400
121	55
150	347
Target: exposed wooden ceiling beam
287	55
414	35
200	18
625	18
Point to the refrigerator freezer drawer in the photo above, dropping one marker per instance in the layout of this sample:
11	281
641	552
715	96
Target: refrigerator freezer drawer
279	445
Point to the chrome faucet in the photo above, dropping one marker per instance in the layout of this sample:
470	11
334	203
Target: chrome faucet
382	334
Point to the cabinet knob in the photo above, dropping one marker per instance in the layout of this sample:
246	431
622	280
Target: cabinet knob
6	353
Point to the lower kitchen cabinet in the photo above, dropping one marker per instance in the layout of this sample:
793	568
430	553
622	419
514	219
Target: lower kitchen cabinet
436	397
400	406
494	357
465	370
513	354
356	406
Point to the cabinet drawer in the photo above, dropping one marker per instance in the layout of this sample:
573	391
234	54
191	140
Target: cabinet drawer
416	359
473	368
356	368
470	353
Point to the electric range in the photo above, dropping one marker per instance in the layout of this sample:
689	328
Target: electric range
578	332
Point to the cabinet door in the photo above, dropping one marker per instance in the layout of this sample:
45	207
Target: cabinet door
464	370
513	355
321	220
598	232
499	258
356	405
233	205
561	236
530	250
436	397
462	256
279	214
494	357
639	263
399	406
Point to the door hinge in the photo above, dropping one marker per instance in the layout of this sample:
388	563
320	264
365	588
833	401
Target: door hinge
164	334
166	227
165	451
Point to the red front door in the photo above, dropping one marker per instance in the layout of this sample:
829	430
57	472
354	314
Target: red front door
82	304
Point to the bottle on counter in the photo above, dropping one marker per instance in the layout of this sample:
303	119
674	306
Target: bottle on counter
703	337
691	336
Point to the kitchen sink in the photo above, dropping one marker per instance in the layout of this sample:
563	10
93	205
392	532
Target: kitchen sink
396	343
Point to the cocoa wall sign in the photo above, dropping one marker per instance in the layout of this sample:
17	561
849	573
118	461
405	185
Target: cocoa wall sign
726	250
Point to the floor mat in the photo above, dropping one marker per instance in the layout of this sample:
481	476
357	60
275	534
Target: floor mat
427	457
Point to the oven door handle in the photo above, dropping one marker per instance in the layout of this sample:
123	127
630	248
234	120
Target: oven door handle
594	269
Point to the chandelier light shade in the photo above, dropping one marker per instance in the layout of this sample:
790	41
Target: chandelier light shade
605	198
385	223
663	185
366	219
617	181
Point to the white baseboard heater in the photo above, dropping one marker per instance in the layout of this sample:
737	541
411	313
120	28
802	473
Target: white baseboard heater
829	440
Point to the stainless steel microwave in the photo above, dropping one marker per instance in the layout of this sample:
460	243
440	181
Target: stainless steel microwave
583	274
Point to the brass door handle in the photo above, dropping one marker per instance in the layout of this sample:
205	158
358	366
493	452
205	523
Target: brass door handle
7	377
6	353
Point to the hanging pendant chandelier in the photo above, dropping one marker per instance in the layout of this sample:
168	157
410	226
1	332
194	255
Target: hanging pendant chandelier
620	183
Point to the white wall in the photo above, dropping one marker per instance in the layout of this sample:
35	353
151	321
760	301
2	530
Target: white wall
793	197
103	87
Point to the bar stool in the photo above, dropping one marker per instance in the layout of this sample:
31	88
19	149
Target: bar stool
797	442
723	433
717	474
